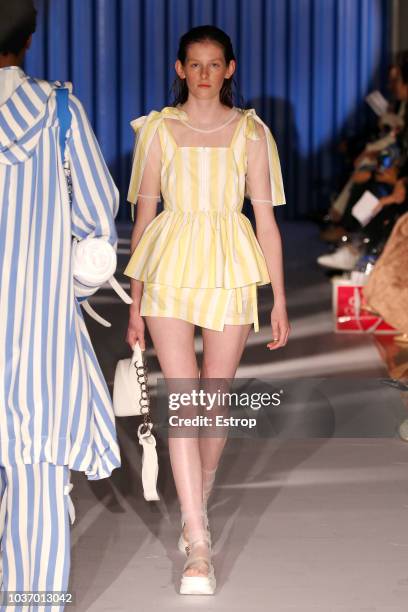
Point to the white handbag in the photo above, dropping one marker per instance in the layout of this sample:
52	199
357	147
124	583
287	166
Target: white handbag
93	260
93	264
131	398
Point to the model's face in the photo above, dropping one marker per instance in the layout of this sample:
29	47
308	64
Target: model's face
205	69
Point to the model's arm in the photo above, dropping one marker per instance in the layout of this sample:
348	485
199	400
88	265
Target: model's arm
146	212
269	238
95	198
261	190
146	209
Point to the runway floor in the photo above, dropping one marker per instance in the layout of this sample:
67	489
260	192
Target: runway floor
310	517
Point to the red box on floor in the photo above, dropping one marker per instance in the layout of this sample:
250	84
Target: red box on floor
349	312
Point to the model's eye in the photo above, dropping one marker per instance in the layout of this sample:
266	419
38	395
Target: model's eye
216	65
194	65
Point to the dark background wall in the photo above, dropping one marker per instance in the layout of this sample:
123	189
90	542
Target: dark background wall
400	19
305	65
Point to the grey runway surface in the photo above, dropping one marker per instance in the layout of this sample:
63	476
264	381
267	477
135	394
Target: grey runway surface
308	514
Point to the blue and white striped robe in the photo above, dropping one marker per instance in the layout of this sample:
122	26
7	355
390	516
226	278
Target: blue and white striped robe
55	406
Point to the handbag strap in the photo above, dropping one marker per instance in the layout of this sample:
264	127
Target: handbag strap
64	116
64	120
144	400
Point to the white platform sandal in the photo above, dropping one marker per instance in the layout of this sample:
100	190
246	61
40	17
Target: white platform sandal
198	585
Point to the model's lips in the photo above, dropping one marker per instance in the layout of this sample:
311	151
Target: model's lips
204	85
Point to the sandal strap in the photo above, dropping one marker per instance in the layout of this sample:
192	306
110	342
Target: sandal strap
208	482
191	561
202	513
199	540
206	522
197	556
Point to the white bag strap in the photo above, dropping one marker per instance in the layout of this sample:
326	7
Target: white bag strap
119	290
94	315
150	466
121	293
71	508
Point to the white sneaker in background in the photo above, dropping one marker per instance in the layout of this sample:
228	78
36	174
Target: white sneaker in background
403	430
344	258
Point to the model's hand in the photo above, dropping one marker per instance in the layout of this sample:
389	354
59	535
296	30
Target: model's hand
280	326
135	330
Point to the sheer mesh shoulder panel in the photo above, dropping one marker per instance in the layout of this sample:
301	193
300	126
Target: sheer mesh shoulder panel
150	183
264	183
184	135
145	181
146	162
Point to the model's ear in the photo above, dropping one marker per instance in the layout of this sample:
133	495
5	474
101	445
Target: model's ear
179	69
28	43
231	69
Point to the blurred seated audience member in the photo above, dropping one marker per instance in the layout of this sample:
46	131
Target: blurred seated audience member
386	290
388	182
389	124
372	238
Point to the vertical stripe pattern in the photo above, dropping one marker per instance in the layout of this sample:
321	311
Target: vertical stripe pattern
54	403
35	539
305	64
200	251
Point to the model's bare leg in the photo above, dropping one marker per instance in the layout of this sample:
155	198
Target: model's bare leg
222	352
173	341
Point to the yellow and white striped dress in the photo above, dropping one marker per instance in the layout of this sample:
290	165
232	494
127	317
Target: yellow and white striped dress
199	259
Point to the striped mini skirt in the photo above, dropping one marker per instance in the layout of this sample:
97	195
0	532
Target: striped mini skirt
211	308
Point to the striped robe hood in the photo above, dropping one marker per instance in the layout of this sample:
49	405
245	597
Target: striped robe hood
22	118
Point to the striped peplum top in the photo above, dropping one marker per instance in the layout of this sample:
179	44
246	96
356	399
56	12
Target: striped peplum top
202	239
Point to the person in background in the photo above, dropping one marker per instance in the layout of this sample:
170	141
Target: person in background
55	408
386	180
365	162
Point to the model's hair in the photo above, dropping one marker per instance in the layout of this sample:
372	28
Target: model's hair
17	22
202	34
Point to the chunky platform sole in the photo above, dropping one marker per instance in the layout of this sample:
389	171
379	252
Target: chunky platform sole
198	585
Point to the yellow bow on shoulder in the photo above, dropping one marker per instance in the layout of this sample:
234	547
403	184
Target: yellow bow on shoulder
145	128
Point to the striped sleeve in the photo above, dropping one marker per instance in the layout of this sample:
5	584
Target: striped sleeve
95	197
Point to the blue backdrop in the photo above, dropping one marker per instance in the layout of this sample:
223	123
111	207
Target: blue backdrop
305	65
